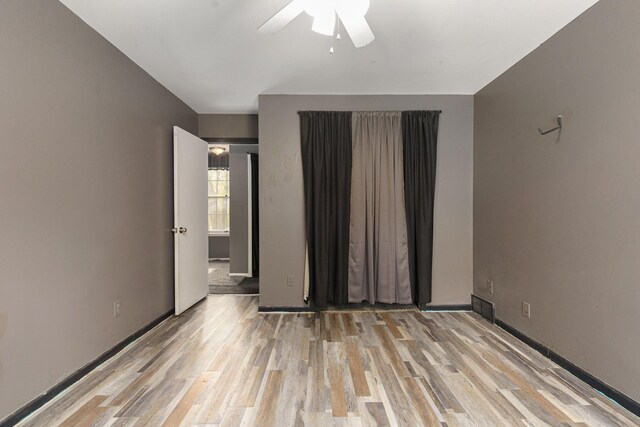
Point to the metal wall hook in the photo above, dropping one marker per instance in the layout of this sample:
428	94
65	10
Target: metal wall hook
559	119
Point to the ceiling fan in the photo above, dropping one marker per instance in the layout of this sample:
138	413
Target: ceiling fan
350	12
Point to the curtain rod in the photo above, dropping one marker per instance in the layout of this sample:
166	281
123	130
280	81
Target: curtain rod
361	111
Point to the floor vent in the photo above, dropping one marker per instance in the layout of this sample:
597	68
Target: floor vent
484	308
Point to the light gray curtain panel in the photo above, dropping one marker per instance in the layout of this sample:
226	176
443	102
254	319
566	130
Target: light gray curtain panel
378	251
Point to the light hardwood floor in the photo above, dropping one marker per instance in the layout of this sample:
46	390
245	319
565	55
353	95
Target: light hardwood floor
223	364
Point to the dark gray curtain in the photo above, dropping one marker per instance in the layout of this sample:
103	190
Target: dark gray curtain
420	140
255	220
325	138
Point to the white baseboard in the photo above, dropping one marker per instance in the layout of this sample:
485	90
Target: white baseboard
240	275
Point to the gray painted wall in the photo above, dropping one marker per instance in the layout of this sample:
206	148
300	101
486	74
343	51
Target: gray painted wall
281	191
85	196
556	218
238	207
226	127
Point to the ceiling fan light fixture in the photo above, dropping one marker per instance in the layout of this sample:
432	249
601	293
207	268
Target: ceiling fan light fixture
316	8
325	22
218	150
356	8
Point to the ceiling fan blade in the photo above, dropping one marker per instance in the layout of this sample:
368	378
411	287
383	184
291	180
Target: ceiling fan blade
357	27
283	17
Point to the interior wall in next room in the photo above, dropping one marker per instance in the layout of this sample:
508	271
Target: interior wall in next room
282	238
556	220
219	247
239	207
239	213
86	197
235	129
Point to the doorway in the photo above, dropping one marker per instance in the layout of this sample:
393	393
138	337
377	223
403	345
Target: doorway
233	218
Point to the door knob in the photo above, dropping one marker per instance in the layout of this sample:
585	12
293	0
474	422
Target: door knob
182	230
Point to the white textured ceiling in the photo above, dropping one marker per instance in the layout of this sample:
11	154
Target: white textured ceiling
210	55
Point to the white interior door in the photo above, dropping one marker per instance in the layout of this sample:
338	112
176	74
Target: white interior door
190	164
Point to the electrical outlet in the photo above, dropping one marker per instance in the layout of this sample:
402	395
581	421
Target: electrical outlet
290	281
526	309
116	308
490	286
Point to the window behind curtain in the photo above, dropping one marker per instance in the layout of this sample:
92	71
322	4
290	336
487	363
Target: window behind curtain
218	200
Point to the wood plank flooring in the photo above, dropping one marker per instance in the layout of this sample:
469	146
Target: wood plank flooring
223	364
